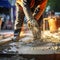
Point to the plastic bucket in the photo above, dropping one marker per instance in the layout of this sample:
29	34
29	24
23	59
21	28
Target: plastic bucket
53	25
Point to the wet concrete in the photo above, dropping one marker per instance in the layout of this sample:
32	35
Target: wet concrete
27	46
23	47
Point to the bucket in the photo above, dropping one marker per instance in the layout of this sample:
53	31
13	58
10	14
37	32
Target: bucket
53	25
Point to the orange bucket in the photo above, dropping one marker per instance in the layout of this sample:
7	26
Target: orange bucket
53	25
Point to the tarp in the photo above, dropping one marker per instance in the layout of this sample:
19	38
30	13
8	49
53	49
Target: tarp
5	3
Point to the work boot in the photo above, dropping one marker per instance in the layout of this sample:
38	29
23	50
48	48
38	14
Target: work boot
16	38
16	35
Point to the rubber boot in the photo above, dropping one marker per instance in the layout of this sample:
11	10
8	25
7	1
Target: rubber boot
16	35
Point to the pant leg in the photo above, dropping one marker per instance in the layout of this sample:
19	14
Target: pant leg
33	23
18	23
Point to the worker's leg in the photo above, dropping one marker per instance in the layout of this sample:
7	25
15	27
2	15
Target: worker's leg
18	25
33	23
